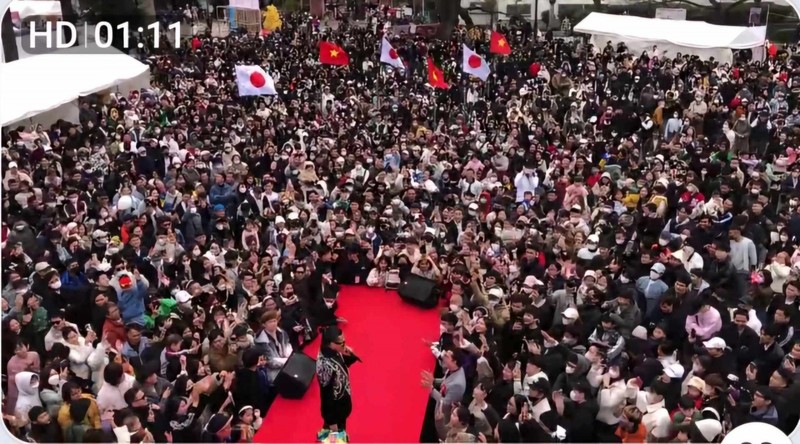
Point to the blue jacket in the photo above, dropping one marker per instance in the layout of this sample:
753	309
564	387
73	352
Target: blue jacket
73	282
221	194
131	303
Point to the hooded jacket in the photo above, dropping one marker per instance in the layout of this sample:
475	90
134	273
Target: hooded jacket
28	394
131	300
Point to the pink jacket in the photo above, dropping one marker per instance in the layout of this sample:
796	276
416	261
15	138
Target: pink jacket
705	324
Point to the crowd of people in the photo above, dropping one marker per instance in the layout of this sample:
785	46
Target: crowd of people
614	238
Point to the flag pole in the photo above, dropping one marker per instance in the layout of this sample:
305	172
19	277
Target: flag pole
435	106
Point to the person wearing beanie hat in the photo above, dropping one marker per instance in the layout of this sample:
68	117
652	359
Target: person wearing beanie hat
333	374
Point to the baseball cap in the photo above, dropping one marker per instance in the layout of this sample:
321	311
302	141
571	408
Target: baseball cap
570	313
715	343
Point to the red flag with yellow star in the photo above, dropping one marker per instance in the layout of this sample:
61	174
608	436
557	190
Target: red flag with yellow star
499	44
435	76
331	54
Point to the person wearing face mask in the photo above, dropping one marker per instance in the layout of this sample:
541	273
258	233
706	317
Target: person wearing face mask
652	288
655	419
610	396
578	411
575	370
673	126
588	252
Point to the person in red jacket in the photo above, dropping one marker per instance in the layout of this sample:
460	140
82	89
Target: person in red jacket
114	327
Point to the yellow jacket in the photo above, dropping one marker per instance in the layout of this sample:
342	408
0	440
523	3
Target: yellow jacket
93	415
631	200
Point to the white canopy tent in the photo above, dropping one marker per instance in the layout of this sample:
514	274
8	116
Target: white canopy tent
673	36
45	88
25	8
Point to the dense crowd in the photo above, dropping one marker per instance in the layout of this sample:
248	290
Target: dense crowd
613	235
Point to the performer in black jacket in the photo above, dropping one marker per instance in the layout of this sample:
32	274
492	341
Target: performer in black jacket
333	375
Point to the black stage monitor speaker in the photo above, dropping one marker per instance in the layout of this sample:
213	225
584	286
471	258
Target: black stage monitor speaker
419	291
296	375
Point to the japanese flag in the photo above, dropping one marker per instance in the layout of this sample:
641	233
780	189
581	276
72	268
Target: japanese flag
254	81
474	64
389	55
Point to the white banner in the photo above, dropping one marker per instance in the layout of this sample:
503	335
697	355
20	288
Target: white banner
671	13
244	4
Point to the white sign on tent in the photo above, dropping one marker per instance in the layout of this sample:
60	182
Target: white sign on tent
671	13
244	4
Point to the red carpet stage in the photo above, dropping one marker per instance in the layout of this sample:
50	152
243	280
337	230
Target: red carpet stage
388	400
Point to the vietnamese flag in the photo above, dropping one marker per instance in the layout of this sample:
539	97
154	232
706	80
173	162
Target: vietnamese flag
331	54
435	76
499	44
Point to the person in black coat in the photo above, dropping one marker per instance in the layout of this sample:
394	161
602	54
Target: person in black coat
352	268
579	413
722	361
768	356
43	427
333	374
253	386
741	339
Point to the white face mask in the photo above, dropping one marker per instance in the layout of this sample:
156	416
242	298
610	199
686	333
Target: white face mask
55	285
53	380
624	279
569	370
663	242
654	275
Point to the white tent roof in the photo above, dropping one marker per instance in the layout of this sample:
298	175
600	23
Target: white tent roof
27	8
38	84
691	34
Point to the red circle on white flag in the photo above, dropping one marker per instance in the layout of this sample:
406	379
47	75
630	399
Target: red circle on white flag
393	54
474	61
257	80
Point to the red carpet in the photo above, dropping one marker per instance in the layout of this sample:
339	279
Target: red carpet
388	400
